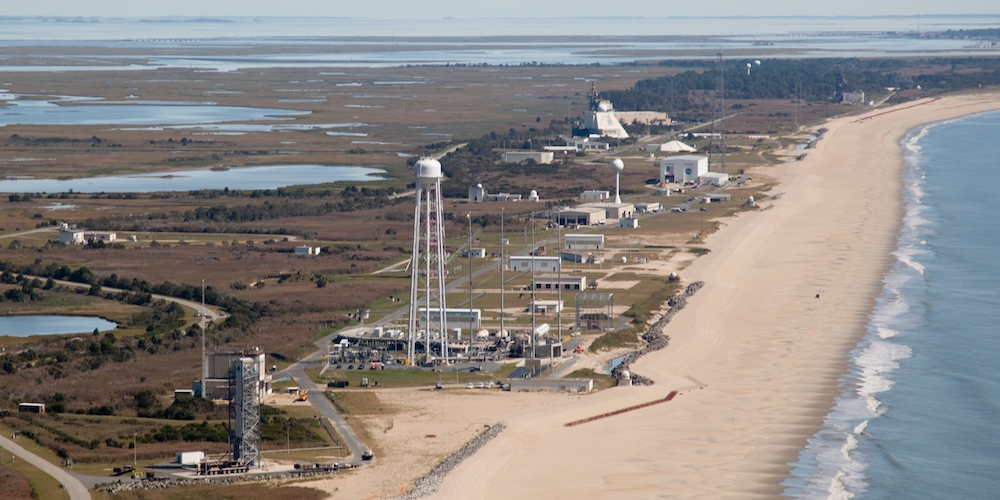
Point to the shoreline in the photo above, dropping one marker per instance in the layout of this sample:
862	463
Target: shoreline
756	356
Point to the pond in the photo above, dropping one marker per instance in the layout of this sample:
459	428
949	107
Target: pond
242	178
25	326
51	112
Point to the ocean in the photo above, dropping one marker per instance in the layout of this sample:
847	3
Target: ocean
917	414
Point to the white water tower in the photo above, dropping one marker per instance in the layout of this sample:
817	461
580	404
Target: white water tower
617	166
427	263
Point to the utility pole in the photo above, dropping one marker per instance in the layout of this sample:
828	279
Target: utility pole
502	264
531	337
469	216
559	284
135	450
204	360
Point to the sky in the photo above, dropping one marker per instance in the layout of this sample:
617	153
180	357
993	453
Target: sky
436	9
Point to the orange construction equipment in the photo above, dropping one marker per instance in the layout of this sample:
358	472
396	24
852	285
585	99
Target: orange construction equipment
302	396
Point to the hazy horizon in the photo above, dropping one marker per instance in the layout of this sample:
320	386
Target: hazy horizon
437	9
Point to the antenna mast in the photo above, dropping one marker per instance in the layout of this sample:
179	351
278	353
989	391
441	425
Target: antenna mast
717	140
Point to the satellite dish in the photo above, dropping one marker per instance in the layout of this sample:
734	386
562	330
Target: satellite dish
757	62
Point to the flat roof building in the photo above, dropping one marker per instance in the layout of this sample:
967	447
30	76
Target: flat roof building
613	210
628	223
555	281
714	178
648	207
307	250
540	157
546	306
595	195
583	241
31	407
579	216
524	263
683	169
502	197
477	253
585	144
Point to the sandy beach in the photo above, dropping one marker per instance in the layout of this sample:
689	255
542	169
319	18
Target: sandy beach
756	354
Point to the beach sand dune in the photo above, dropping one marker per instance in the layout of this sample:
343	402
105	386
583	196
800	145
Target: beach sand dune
756	354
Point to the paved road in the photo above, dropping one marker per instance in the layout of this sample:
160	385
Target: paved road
76	489
319	400
204	312
22	233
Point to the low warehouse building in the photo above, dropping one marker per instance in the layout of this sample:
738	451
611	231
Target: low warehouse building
580	216
584	241
614	210
595	195
524	263
713	178
540	157
554	281
31	407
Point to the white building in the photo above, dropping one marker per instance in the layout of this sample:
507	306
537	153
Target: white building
307	250
533	196
477	193
502	197
583	241
524	263
648	207
79	236
540	157
555	281
628	223
683	169
70	236
585	144
579	216
713	178
477	253
546	306
189	457
595	195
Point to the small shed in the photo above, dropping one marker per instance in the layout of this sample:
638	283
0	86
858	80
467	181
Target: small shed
476	253
31	407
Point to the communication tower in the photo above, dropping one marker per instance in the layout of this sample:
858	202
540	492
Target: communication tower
427	261
717	140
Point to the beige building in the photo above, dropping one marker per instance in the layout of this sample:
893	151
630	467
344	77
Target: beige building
580	216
